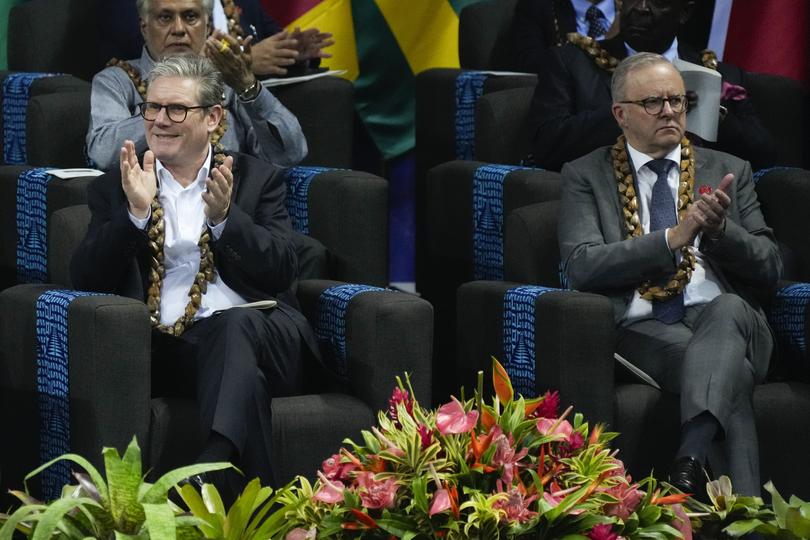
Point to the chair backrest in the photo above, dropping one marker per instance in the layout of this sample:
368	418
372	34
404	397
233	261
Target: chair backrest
781	104
485	39
531	251
66	229
325	109
501	130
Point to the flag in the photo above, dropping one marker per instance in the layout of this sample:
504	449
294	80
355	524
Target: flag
5	9
382	44
765	36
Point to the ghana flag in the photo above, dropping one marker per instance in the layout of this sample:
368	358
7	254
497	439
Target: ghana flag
381	44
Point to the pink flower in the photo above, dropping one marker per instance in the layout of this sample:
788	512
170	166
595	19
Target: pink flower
425	434
335	470
545	425
627	498
399	396
329	492
451	418
682	522
440	502
302	534
704	189
374	493
549	408
516	506
570	445
603	531
506	457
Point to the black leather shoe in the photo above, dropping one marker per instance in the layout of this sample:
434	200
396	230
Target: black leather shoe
687	475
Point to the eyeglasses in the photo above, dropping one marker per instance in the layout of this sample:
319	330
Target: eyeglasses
654	105
177	113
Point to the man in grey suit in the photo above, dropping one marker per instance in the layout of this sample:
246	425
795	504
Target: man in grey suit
674	235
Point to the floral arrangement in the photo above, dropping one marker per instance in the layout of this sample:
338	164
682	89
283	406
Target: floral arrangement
515	468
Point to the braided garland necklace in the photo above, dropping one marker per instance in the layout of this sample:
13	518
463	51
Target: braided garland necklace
156	234
232	14
605	61
632	223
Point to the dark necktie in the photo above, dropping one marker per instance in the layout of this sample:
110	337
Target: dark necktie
597	22
663	216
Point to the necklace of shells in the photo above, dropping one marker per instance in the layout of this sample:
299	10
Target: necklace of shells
605	61
156	234
629	200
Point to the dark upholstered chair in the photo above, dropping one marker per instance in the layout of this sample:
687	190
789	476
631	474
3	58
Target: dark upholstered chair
571	338
386	333
466	202
501	130
485	37
781	104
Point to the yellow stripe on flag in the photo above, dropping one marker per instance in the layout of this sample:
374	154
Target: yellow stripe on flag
334	16
426	31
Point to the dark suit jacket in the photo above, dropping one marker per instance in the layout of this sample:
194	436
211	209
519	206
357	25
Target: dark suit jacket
570	113
255	255
598	258
540	25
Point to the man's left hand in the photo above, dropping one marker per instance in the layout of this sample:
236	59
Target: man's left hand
711	209
219	187
311	43
232	58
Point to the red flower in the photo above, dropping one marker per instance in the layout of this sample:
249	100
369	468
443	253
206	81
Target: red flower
334	469
506	457
705	190
399	396
549	408
451	418
425	434
516	506
603	531
374	493
627	499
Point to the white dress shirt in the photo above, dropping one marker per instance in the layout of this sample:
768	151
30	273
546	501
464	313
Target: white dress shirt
184	217
670	54
607	7
704	284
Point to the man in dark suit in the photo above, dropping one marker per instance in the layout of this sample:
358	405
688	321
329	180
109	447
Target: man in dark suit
571	109
680	274
195	233
543	24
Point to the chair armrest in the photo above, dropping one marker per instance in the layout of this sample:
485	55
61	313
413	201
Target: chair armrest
574	340
387	334
70	110
109	375
789	316
348	213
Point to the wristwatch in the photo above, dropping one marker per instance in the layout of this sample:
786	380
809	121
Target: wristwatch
251	92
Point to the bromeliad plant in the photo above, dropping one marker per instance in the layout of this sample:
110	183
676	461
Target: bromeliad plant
514	468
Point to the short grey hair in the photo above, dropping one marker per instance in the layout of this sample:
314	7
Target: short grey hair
144	5
210	85
629	65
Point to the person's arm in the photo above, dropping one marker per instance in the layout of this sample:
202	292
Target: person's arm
569	117
531	43
747	247
591	262
258	249
113	118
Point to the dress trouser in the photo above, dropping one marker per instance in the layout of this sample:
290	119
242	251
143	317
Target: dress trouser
712	359
233	363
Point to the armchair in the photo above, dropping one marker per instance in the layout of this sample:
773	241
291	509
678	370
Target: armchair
567	341
108	340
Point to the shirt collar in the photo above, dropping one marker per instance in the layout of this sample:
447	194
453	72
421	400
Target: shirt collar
162	172
639	159
607	7
670	54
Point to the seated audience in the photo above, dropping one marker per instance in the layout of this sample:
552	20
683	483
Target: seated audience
543	24
274	49
674	236
571	109
193	233
256	123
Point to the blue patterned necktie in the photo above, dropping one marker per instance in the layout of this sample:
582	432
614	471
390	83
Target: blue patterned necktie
663	216
597	22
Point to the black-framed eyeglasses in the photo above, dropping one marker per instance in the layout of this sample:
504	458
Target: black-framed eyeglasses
176	112
654	105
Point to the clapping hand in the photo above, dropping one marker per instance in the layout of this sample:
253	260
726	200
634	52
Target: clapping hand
311	43
217	196
232	58
711	208
273	55
139	183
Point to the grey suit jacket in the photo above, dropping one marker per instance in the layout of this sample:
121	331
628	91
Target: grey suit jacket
598	257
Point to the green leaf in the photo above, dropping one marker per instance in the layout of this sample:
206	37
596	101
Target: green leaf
739	528
649	515
780	507
399	526
55	512
795	523
420	498
212	500
98	480
20	515
159	490
124	480
160	522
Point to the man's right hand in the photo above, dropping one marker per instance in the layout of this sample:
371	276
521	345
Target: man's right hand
271	56
139	183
